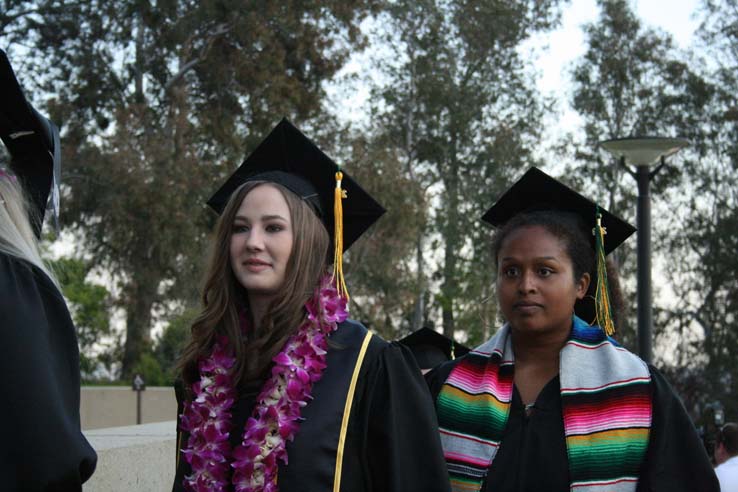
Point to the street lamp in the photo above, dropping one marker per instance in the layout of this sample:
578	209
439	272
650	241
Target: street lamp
642	152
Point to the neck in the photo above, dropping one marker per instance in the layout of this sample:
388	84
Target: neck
257	308
538	349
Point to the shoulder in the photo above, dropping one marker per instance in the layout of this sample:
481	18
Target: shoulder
380	356
17	281
727	473
662	389
438	375
352	333
18	275
12	264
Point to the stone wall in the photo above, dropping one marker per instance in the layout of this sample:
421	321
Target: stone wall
115	406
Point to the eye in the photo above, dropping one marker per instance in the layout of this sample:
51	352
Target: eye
274	228
545	272
240	228
510	271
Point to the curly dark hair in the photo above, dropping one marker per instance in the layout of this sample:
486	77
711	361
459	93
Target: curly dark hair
572	231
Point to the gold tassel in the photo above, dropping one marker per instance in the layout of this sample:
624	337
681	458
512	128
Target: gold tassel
338	195
602	294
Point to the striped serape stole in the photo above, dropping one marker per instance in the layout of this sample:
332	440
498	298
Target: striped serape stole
473	406
607	406
607	410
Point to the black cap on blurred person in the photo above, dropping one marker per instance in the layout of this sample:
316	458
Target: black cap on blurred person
431	348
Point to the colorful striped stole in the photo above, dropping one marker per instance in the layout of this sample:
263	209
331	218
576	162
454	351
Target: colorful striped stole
606	401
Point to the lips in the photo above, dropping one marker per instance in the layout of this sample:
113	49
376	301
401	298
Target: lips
526	306
255	262
254	265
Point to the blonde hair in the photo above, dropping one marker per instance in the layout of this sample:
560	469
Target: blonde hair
16	234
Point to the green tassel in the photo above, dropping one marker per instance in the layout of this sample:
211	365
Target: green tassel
602	294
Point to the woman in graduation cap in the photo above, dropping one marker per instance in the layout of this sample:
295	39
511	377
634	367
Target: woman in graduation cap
42	447
552	402
279	389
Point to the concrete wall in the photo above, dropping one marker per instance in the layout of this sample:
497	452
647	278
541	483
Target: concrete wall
115	406
135	458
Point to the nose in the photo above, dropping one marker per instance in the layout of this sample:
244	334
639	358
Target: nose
255	239
527	283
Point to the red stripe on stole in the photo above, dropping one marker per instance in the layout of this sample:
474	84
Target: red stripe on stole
634	410
466	459
585	426
614	403
487	380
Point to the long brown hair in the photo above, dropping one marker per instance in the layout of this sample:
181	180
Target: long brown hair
224	300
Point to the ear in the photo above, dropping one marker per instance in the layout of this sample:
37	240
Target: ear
582	285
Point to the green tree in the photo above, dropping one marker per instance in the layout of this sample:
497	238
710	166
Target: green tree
172	341
462	116
89	304
158	102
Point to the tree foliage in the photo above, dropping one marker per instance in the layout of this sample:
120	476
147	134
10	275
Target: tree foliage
156	101
89	304
462	117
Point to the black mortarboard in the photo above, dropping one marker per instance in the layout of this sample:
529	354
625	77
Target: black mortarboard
431	348
537	190
289	158
33	143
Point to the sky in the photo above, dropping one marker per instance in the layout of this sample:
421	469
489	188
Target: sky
566	43
554	52
558	49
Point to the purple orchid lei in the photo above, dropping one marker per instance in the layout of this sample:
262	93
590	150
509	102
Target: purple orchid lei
276	417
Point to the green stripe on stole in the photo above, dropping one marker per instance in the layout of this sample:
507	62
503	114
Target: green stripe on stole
477	416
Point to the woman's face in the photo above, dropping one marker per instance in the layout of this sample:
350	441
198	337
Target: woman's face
261	242
535	282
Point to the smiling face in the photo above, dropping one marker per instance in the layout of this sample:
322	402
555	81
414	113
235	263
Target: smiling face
536	285
261	243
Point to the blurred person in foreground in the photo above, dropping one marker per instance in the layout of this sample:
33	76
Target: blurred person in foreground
42	448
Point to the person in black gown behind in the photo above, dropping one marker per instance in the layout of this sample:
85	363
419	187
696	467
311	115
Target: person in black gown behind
552	402
42	448
279	390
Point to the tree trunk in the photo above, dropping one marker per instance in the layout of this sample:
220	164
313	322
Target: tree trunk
419	312
139	301
449	289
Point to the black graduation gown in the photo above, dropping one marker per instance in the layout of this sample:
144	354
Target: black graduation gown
392	441
533	454
42	446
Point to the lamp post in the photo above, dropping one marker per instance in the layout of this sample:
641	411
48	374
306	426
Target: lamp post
642	152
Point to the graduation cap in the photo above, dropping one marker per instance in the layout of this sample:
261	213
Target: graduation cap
431	348
536	191
33	143
289	158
